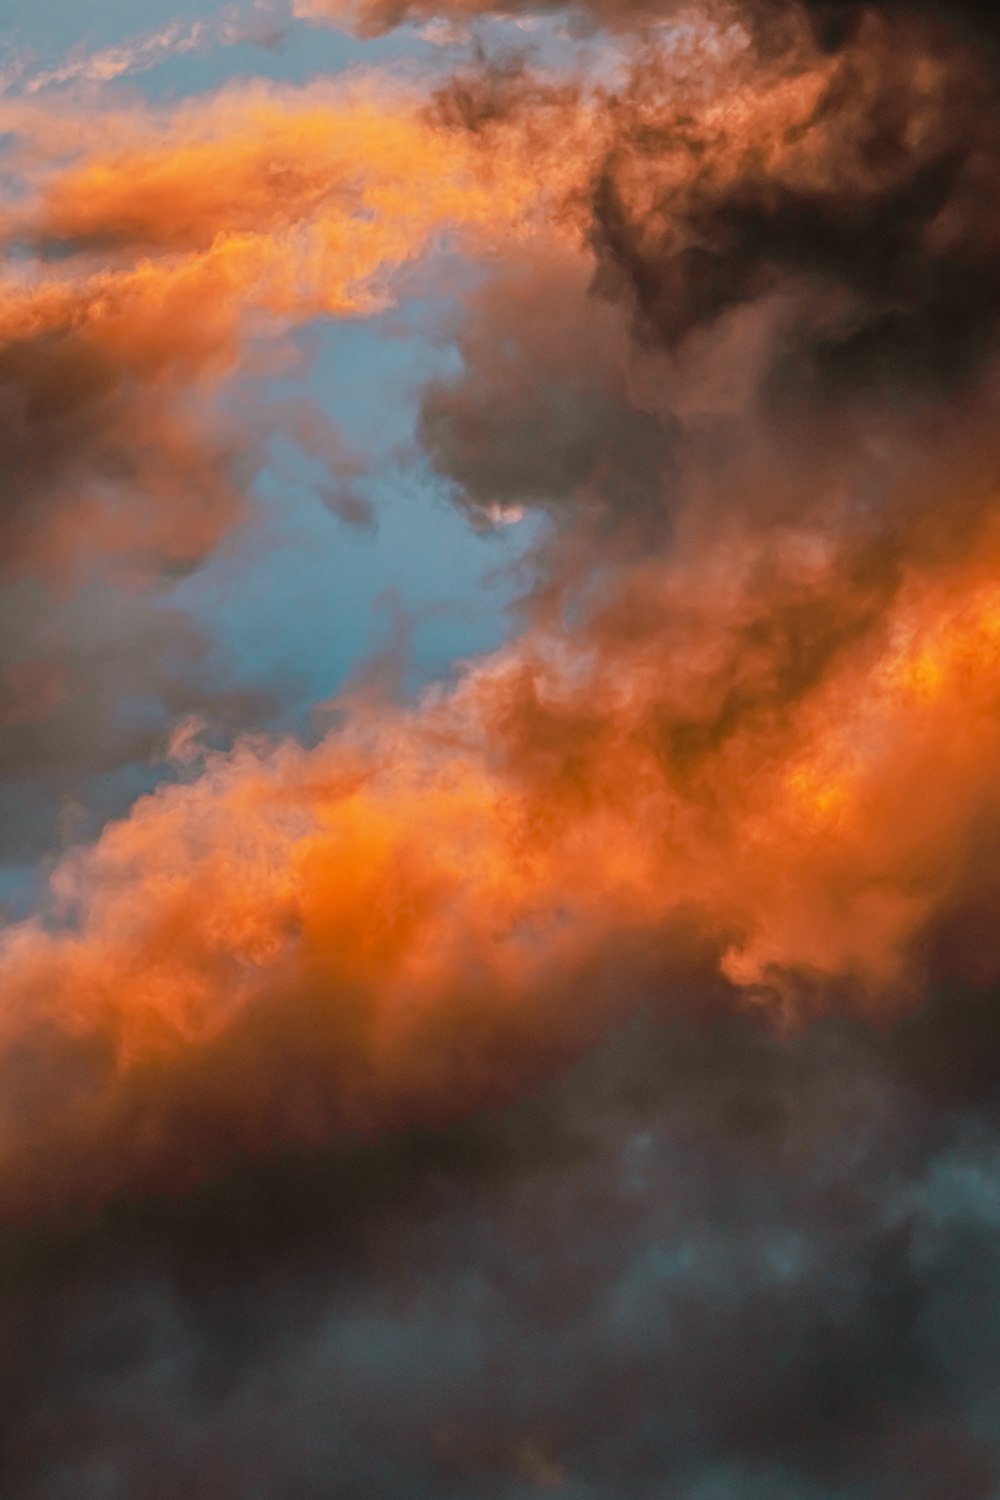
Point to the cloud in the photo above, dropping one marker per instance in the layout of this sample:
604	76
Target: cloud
581	1078
781	307
164	257
91	685
541	412
709	1257
774	24
854	179
731	691
720	790
262	24
159	261
130	57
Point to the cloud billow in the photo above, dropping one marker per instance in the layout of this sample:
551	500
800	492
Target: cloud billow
581	1078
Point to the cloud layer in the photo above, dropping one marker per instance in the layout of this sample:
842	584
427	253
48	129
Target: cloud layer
579	1078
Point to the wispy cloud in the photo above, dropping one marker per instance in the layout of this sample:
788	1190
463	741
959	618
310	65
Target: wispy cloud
263	25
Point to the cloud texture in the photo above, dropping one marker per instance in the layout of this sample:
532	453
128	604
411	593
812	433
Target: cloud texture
580	1078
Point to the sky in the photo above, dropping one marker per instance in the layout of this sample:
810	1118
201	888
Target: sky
499	748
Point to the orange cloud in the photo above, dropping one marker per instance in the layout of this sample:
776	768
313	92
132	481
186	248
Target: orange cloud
763	757
422	912
168	250
184	244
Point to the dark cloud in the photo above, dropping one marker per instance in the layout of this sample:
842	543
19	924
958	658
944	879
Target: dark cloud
541	411
101	457
708	1258
787	312
775	25
836	20
874	218
92	683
